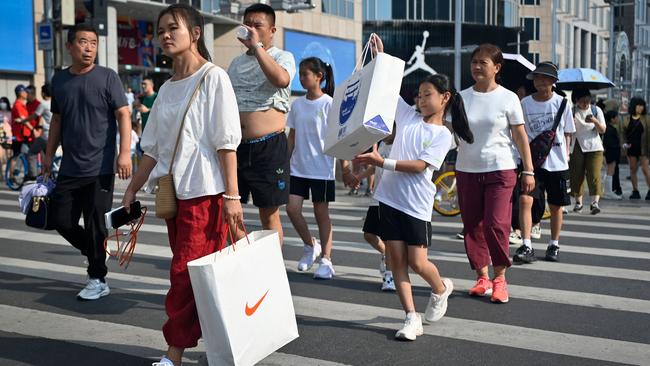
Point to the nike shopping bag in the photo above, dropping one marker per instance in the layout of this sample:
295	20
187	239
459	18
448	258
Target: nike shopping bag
364	105
244	302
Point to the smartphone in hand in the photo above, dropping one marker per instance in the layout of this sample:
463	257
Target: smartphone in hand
119	217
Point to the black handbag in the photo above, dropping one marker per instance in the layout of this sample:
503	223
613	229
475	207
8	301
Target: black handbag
542	144
38	215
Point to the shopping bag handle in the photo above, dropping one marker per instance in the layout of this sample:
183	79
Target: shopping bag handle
233	242
364	53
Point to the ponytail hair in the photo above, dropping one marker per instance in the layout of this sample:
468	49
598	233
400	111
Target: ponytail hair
455	105
318	66
184	13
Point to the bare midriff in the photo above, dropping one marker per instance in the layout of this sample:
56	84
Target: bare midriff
260	123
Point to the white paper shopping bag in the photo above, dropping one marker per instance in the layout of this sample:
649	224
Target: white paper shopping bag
244	302
364	105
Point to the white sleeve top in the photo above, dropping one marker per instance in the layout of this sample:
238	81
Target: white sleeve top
308	119
586	134
212	124
490	116
413	193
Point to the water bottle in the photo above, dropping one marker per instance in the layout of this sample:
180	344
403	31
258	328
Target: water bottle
243	32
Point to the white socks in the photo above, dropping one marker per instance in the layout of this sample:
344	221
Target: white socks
527	243
554	243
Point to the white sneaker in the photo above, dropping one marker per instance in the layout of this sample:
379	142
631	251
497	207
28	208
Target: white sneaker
412	327
514	239
94	290
325	270
163	362
536	232
310	253
382	265
388	284
437	306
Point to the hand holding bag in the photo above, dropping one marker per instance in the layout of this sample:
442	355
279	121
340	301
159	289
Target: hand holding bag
542	144
166	196
244	301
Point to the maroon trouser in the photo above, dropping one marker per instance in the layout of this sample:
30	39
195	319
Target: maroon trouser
196	231
485	201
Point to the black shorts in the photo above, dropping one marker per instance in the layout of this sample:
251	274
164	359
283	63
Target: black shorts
612	156
17	146
322	190
396	225
371	225
555	184
263	171
634	151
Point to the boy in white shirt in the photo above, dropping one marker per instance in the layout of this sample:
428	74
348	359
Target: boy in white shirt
552	176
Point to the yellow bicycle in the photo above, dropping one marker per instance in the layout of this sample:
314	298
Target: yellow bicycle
446	199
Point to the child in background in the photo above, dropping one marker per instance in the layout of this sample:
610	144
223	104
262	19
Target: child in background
311	169
406	192
612	145
371	225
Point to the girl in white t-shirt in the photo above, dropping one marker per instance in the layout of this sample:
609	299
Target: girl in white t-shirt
311	169
406	192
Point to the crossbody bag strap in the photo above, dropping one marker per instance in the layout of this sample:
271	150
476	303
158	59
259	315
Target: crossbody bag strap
559	114
187	108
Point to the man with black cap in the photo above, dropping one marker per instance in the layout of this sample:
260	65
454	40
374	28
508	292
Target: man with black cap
551	178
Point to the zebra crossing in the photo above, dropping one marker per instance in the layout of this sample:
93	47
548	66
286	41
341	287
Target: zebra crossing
591	308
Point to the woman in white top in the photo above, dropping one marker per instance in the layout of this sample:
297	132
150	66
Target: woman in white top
587	149
205	166
406	191
485	171
311	169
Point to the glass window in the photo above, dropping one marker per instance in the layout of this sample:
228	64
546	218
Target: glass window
529	2
531	28
475	11
342	8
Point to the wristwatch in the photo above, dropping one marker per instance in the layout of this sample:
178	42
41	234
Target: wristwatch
258	45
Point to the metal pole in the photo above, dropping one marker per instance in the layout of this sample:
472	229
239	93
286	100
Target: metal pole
48	55
553	31
611	57
457	43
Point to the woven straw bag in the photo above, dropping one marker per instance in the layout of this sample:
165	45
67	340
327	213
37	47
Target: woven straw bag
166	207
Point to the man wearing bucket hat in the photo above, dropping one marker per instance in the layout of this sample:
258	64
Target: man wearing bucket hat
551	178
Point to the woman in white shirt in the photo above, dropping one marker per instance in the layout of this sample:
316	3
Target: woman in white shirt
485	171
205	166
587	155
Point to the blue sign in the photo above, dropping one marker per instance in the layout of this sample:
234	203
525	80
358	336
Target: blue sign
17	25
45	36
337	52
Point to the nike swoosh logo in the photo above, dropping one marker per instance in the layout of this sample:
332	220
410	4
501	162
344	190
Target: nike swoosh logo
250	311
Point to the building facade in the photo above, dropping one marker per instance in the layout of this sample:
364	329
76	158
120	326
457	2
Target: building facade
421	32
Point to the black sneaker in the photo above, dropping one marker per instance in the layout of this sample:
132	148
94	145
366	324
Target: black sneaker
635	195
578	207
524	254
552	253
647	196
595	209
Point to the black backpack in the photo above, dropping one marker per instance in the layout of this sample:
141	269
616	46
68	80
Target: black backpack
542	144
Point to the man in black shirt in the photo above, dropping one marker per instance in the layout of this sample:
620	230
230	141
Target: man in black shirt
87	101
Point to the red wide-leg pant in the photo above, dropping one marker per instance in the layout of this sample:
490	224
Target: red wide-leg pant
196	231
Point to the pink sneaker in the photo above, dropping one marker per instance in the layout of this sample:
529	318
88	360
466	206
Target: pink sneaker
500	293
482	287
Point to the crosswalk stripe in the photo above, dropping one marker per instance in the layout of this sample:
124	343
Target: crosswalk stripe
366	275
122	338
449	327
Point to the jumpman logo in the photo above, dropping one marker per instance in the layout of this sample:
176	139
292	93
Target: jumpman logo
418	56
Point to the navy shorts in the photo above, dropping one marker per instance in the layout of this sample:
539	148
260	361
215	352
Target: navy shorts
322	190
263	171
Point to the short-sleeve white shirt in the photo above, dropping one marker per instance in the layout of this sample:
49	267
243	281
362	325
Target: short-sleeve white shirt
308	119
413	193
490	116
586	134
539	117
211	124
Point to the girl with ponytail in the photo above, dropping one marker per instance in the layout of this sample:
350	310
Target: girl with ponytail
196	111
311	169
406	192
